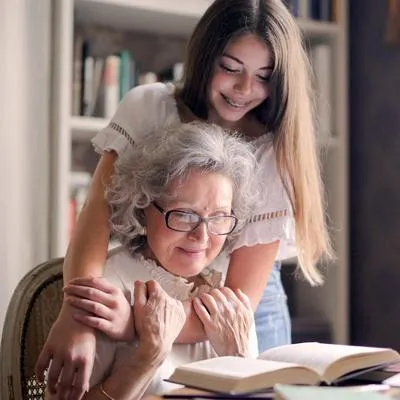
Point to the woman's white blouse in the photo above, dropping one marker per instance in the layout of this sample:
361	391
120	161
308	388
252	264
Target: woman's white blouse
147	108
123	269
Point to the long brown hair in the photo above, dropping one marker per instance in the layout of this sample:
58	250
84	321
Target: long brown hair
287	113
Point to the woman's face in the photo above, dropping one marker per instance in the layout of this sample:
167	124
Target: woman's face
188	253
240	80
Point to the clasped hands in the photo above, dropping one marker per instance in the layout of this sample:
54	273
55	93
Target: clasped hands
155	318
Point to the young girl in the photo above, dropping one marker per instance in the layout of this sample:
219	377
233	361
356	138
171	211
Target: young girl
247	70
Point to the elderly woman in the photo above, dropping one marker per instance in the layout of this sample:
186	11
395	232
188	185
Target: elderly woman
175	204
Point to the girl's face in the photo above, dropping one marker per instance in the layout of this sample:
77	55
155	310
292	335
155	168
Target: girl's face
188	253
240	80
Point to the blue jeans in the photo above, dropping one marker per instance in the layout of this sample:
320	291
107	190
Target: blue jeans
272	315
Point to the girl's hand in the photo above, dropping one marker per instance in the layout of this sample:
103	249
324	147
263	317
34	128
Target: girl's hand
227	317
71	348
102	306
158	320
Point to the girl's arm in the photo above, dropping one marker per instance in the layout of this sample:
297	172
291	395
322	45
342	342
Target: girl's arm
249	270
87	251
70	345
158	319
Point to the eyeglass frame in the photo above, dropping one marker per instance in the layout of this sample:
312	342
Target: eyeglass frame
201	219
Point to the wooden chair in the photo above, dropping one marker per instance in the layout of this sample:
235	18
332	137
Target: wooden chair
33	308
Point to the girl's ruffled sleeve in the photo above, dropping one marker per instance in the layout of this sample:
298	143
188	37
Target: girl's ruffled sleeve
140	112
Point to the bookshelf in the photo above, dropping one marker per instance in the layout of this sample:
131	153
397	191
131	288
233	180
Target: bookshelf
176	19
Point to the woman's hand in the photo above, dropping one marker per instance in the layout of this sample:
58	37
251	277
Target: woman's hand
102	306
71	348
227	317
158	320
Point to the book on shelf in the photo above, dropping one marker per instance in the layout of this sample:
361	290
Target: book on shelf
308	363
319	10
77	76
99	82
304	9
111	85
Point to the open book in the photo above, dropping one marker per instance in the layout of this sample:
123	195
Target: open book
303	363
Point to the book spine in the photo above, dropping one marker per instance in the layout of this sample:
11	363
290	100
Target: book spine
111	85
321	10
77	76
125	73
304	9
97	83
325	13
85	54
88	86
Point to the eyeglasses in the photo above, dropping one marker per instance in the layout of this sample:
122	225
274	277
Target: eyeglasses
185	221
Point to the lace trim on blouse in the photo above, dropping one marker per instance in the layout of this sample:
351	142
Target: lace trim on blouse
118	128
268	216
178	287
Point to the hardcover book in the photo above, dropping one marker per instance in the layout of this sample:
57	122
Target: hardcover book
302	363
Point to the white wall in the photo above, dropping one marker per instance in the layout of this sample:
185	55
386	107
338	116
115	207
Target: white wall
24	139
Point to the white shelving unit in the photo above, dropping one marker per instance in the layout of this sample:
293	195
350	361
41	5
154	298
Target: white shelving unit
84	128
178	18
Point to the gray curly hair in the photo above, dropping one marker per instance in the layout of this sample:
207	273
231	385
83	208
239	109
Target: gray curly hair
169	154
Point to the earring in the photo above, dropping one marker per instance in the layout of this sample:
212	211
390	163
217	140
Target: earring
144	231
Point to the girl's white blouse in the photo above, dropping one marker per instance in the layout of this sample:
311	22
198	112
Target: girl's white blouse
147	108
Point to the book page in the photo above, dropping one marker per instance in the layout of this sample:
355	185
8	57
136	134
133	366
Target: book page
233	367
318	356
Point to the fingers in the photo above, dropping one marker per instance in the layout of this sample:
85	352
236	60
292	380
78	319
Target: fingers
227	298
140	294
207	305
69	346
243	298
54	372
154	289
210	303
201	311
215	301
82	377
145	291
97	309
89	293
99	283
43	362
157	299
74	380
94	322
65	382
